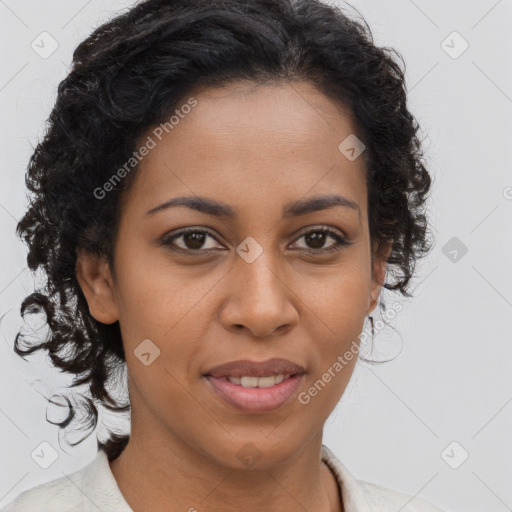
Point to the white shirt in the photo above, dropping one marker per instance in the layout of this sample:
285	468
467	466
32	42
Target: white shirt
94	488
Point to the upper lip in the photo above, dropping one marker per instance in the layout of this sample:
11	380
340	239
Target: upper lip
248	368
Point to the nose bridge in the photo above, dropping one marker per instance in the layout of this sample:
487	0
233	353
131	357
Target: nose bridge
259	269
259	297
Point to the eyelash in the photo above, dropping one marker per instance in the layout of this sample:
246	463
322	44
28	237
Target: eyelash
340	241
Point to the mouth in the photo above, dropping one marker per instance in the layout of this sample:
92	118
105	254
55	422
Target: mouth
255	388
258	382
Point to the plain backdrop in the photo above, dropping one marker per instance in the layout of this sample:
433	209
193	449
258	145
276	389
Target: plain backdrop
435	422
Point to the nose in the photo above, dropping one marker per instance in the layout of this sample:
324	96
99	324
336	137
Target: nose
260	300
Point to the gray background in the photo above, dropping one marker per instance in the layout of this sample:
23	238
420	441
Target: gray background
450	381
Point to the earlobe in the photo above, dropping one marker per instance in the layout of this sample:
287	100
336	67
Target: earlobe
379	274
95	280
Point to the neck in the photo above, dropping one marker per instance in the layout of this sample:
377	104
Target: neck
159	471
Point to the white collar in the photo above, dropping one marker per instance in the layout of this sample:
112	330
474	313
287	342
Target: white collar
102	492
353	495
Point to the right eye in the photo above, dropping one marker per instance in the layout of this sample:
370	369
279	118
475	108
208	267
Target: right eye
193	240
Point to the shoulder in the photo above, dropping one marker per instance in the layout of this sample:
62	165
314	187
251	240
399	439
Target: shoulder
62	494
91	488
390	500
363	496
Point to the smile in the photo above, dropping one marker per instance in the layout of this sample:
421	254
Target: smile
255	395
258	382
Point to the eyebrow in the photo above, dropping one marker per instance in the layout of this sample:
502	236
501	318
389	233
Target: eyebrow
293	209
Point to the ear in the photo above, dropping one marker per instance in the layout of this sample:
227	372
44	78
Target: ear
381	255
93	275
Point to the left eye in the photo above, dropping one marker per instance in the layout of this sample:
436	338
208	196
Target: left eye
317	238
194	240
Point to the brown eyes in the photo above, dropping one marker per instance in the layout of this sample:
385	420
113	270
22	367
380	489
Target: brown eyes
193	240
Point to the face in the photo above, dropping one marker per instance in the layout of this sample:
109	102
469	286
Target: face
274	276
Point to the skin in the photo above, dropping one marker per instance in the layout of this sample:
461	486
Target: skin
255	148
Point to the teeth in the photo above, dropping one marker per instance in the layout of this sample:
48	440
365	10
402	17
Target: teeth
279	378
249	382
266	382
258	382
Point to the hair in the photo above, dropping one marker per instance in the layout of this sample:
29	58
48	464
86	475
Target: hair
128	76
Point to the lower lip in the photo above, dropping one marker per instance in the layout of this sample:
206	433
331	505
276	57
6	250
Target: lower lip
255	400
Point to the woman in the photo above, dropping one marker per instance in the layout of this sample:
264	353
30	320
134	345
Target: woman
220	192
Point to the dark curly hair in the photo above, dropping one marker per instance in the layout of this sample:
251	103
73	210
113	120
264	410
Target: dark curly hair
129	75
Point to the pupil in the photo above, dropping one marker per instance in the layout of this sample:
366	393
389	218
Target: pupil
317	237
196	238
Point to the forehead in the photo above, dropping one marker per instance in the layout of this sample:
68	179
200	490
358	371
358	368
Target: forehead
296	113
243	141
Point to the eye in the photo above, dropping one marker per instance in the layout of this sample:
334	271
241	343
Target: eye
192	240
316	239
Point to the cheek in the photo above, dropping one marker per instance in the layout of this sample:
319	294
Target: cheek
166	307
337	311
339	299
163	390
155	296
